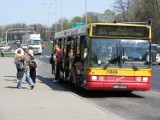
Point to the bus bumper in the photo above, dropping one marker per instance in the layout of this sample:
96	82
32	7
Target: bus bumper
117	86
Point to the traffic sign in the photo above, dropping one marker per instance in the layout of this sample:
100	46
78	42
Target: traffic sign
78	24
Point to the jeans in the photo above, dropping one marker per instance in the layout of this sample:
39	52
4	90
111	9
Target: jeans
33	74
21	73
18	73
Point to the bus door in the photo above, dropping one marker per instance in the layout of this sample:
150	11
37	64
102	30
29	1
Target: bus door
67	57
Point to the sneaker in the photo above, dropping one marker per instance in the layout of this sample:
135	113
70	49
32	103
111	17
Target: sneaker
18	87
32	87
55	81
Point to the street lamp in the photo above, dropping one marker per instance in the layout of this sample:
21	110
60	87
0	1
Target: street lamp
55	15
61	15
47	25
86	10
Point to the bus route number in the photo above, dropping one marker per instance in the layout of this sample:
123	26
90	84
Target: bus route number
112	72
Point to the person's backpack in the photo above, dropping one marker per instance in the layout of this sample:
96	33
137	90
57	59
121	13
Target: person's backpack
21	64
51	60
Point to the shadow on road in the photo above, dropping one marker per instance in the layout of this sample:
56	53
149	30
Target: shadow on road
48	81
83	93
105	94
11	87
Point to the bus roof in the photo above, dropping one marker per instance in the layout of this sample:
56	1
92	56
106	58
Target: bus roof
84	29
72	32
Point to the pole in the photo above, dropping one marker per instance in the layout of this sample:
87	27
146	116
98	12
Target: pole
55	15
86	10
47	26
61	15
6	39
45	20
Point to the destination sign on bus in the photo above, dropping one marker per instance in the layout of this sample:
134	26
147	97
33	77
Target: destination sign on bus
120	31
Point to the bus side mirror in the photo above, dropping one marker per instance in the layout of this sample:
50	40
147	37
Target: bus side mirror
85	53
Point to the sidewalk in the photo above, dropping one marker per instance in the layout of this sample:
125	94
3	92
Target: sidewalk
46	101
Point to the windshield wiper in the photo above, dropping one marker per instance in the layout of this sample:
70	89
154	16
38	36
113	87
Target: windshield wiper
106	66
134	67
114	59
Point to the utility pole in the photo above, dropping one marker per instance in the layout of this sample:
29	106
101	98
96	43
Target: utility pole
55	16
86	10
47	25
61	15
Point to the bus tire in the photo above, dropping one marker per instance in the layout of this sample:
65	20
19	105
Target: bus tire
128	92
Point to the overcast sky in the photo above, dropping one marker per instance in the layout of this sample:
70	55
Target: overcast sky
37	11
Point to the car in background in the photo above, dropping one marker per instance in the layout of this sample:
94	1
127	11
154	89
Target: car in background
51	41
4	47
24	45
158	58
18	41
42	44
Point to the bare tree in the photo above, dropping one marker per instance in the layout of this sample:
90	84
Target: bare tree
123	7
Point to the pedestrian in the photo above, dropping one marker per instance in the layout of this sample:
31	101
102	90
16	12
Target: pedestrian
52	61
16	58
26	62
58	62
2	52
18	52
19	48
78	64
33	67
31	51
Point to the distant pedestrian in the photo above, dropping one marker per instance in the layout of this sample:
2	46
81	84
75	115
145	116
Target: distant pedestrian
31	51
2	52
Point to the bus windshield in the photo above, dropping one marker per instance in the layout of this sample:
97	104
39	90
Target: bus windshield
119	53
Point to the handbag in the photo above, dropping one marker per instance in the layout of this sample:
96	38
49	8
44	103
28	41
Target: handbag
33	64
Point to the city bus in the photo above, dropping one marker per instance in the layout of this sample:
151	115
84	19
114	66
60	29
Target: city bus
114	56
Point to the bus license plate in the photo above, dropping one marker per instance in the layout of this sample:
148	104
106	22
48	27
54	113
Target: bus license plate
120	86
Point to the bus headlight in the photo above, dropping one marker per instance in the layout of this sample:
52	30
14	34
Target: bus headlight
94	77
